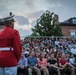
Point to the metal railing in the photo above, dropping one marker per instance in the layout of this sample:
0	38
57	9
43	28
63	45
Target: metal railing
73	37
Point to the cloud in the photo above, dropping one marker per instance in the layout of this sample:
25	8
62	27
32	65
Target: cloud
29	3
35	15
24	32
22	20
26	5
24	29
33	23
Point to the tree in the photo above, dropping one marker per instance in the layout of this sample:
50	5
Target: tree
46	26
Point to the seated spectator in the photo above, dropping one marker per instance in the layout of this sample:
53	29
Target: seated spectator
73	49
56	43
58	55
37	55
53	66
66	67
26	52
22	65
67	57
47	56
32	64
72	60
42	64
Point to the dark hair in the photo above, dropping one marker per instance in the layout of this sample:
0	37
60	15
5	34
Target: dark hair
40	57
7	23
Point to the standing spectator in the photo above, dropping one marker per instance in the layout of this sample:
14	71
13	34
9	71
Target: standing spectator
10	48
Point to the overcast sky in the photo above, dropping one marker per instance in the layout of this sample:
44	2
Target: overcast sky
27	11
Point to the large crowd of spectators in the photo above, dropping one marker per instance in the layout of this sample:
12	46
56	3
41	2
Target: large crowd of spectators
48	56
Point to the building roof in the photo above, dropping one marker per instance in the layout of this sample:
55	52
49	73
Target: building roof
69	22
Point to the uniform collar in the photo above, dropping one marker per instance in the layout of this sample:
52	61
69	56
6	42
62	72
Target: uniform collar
8	27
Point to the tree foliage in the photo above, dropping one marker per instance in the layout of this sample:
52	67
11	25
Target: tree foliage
45	26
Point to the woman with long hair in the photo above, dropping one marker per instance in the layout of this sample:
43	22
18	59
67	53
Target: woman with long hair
42	64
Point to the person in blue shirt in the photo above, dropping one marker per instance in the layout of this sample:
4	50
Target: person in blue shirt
22	65
32	64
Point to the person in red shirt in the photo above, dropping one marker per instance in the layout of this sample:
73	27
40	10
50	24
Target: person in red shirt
66	66
10	48
63	60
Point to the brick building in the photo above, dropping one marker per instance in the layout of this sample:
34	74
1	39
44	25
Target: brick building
69	27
